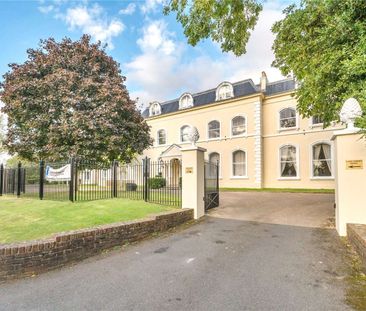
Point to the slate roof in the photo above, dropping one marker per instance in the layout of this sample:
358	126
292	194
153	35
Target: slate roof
241	88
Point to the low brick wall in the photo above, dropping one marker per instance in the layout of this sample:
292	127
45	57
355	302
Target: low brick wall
356	235
34	257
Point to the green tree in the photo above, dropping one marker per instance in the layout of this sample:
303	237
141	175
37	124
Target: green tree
227	22
69	99
2	132
323	43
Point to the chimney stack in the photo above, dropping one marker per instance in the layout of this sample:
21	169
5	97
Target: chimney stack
263	81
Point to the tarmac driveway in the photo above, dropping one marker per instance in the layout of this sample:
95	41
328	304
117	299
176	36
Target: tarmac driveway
221	263
294	209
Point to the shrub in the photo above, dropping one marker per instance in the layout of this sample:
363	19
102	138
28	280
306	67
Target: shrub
156	182
131	186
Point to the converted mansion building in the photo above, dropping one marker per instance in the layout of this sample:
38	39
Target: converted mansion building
254	131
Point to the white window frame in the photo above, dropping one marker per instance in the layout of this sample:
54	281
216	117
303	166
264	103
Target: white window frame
312	125
281	129
331	177
232	176
220	161
208	130
297	177
157	137
222	84
180	136
151	109
181	98
246	126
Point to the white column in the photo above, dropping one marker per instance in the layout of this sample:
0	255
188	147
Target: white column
258	144
193	163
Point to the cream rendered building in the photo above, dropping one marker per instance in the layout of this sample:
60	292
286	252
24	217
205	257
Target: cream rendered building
253	130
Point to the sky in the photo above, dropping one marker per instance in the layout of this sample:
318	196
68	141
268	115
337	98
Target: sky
151	48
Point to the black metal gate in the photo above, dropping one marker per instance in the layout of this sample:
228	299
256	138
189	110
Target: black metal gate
212	194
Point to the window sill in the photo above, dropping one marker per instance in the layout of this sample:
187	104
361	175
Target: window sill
213	139
239	177
286	129
239	136
322	178
316	125
157	146
289	178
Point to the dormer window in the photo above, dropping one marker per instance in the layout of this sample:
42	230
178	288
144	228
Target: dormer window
185	101
155	109
224	91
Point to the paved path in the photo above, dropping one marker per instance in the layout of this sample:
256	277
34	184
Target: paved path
218	264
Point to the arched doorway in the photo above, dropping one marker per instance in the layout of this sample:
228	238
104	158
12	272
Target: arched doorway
175	172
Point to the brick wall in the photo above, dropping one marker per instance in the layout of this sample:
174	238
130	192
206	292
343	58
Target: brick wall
26	259
356	235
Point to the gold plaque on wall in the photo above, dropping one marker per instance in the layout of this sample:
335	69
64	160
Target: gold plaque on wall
354	164
189	170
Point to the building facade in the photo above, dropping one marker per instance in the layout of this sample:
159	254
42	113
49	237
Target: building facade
253	131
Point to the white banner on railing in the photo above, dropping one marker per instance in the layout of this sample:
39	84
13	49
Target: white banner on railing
58	174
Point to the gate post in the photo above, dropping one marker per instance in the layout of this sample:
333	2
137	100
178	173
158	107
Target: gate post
114	173
146	167
19	181
41	179
72	179
193	179
1	179
350	170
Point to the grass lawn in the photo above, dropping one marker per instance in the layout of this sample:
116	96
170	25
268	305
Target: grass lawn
28	219
279	190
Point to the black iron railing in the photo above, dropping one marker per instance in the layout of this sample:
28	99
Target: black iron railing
81	180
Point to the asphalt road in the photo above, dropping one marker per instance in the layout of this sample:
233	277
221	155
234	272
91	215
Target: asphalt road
217	264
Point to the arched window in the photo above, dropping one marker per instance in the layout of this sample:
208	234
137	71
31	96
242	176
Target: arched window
322	160
155	109
161	137
224	91
288	161
239	163
211	170
287	118
185	101
184	133
213	129
238	126
214	158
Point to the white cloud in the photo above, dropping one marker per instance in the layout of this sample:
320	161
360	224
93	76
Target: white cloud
161	72
129	10
156	38
45	9
151	6
91	20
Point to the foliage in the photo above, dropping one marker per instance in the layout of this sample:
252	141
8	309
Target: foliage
2	131
323	43
227	22
131	186
14	160
156	182
69	99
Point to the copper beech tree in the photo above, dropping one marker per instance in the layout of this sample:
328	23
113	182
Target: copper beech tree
69	99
